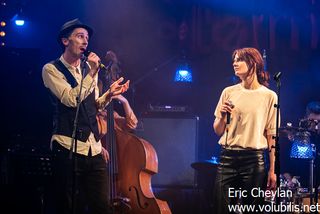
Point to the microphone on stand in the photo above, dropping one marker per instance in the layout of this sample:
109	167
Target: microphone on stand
277	76
264	57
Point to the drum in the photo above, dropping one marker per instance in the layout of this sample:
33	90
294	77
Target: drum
301	147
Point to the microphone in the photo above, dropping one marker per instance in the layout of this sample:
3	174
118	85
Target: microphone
101	66
228	113
228	118
277	76
264	56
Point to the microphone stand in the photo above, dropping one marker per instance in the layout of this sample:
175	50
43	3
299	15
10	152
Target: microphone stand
74	136
276	77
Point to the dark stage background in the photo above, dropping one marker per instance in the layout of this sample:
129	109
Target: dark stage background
148	37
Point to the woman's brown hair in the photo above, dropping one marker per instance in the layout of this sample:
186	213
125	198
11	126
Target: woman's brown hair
253	58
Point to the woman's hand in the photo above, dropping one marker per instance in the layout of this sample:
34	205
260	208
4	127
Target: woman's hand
220	123
120	98
226	107
272	180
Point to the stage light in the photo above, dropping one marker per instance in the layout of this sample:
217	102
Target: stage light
2	34
183	72
183	75
19	22
19	18
301	151
3	24
301	147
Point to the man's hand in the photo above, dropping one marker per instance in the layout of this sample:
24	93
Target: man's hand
94	62
116	88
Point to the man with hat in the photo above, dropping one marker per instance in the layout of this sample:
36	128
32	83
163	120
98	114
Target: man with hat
80	182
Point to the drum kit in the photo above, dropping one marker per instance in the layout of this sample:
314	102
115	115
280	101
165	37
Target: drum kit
304	141
302	147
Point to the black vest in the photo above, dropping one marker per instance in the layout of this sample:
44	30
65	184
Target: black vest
63	119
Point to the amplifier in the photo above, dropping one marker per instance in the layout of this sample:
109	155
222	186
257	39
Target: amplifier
27	166
167	108
175	141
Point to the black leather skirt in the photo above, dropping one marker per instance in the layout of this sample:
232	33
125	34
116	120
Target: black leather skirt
239	172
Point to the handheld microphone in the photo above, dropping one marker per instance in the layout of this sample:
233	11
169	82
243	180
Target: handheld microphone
228	118
229	114
101	66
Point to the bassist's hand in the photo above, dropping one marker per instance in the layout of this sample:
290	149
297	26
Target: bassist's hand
105	154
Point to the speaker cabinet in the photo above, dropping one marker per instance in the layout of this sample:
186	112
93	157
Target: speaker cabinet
175	141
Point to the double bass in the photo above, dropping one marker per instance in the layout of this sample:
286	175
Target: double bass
132	163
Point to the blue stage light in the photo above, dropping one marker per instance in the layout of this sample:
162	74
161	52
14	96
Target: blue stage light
19	18
301	147
19	22
301	151
183	75
183	72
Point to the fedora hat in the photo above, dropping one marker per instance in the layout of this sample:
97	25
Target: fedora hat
70	26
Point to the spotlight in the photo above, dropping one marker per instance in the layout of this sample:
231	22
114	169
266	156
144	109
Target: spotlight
19	22
183	72
301	151
3	23
301	147
2	34
183	75
18	18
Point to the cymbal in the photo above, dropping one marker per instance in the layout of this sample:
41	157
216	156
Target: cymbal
286	129
295	133
290	130
205	165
